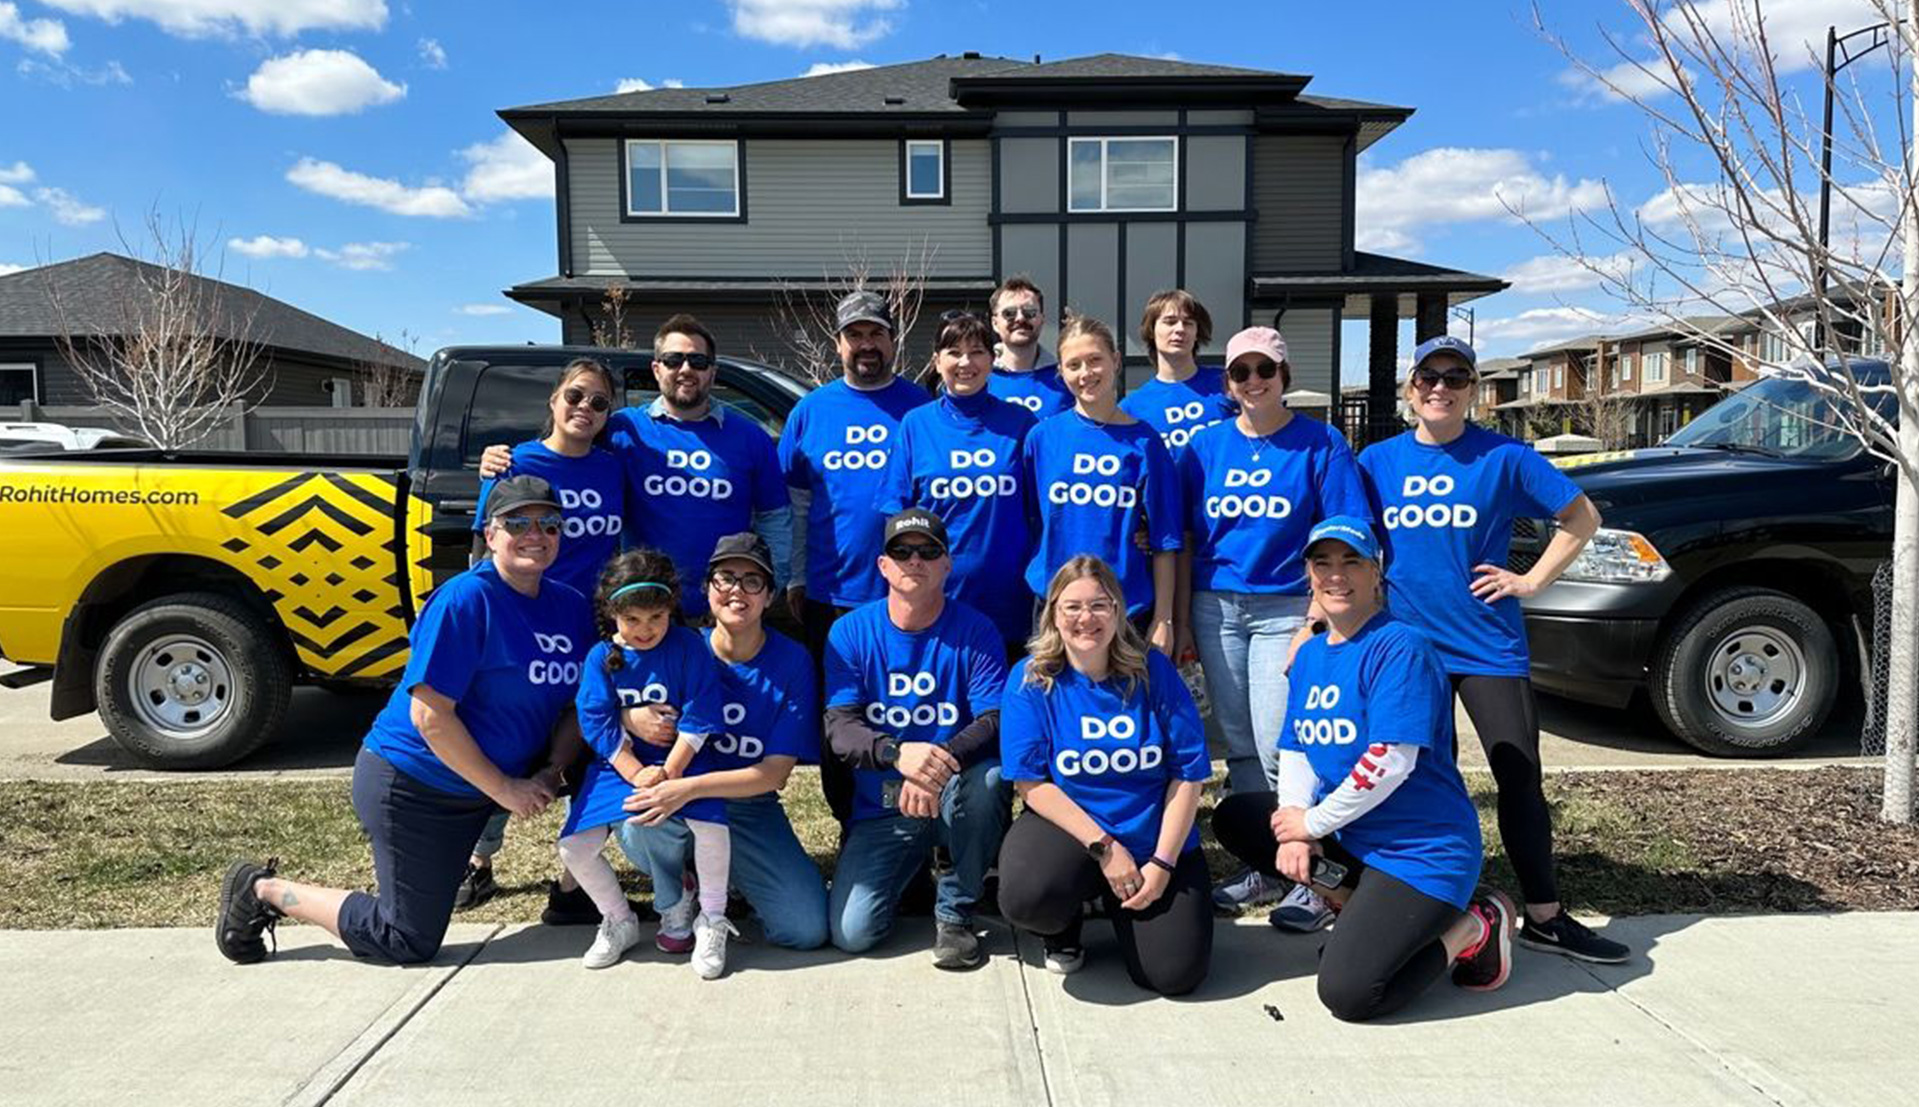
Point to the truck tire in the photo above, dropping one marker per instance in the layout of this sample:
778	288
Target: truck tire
192	681
1745	672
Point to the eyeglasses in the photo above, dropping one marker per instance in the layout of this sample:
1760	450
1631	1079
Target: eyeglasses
904	552
574	397
1025	312
750	583
1455	379
517	525
700	362
1098	609
1241	371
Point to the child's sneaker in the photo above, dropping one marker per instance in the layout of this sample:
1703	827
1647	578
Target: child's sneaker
1485	966
612	941
676	924
709	944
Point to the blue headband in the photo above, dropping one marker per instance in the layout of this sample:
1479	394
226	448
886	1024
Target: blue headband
635	587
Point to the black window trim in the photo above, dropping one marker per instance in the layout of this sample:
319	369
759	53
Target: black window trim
945	198
1066	173
627	215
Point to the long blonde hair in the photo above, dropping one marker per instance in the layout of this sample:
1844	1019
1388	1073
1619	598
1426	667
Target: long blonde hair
1046	650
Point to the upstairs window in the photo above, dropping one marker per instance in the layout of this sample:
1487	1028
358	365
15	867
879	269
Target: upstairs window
1656	367
697	179
1123	174
923	171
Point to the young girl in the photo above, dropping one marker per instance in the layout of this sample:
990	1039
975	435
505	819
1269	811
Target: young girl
651	679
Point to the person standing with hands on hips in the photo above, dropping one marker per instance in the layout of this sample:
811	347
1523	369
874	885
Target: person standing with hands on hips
1446	494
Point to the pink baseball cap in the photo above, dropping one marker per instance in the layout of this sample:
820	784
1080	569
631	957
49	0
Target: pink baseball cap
1257	340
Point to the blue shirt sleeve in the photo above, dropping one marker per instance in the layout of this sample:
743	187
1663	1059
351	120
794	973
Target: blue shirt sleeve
1192	485
844	681
1342	491
448	642
1408	699
792	458
1165	518
597	704
1172	701
895	489
1024	746
1305	665
1545	489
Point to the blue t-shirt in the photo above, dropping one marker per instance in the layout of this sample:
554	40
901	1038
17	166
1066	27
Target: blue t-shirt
1384	686
959	457
691	484
679	671
508	662
924	686
1180	409
1039	391
1112	750
770	708
592	501
836	445
1092	484
1251	501
1444	509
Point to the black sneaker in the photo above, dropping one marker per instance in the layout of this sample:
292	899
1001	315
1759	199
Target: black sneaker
1063	954
1484	967
575	908
476	887
244	917
955	947
1568	937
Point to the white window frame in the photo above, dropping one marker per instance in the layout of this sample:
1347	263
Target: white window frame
939	151
1656	367
666	197
1692	361
1103	140
30	369
1559	376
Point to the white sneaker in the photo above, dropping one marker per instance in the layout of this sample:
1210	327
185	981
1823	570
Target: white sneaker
709	944
612	942
1251	889
676	925
1302	911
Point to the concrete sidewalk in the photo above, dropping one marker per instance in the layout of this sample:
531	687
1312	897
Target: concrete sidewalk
1755	1010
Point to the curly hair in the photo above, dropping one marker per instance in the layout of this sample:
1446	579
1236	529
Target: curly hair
642	567
1046	650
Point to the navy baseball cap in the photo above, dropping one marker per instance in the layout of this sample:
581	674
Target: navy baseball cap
1355	532
1445	344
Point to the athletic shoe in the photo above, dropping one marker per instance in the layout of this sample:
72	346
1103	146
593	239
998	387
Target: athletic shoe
1064	955
709	944
676	925
476	887
1568	937
1251	888
1303	911
955	946
1486	964
575	908
244	916
611	942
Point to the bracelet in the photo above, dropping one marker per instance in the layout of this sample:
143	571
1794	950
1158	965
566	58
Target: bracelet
1156	859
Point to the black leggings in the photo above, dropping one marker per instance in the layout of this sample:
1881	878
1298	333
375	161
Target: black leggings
1502	711
1045	876
1385	950
836	777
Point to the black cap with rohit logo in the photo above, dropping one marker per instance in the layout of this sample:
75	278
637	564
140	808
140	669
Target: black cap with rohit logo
916	520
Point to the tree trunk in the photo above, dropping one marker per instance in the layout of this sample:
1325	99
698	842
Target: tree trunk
1902	707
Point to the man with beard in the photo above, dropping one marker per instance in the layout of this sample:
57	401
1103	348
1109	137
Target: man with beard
1022	373
835	450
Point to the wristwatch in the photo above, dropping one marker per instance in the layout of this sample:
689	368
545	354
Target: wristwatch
887	753
1097	850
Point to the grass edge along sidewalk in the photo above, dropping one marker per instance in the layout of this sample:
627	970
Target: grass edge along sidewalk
110	854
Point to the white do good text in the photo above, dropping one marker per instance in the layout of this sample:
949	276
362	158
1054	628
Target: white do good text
1442	514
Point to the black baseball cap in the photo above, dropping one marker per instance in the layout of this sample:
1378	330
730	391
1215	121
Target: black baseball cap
514	493
863	307
745	545
916	520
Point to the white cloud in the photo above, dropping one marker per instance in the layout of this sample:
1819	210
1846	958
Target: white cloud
1384	240
45	36
66	76
821	69
482	309
200	18
1553	273
1635	80
641	84
846	24
507	168
432	53
318	82
1542	326
1795	31
330	180
7	267
363	256
68	208
19	173
1455	185
267	246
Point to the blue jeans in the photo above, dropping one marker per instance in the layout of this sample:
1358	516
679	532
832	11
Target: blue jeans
493	837
769	867
1242	639
881	854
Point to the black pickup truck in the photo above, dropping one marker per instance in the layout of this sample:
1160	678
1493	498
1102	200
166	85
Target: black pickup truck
1732	581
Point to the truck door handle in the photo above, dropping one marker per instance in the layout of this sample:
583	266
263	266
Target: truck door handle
459	507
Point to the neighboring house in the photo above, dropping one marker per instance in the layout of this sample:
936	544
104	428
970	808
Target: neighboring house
306	361
1103	178
1499	383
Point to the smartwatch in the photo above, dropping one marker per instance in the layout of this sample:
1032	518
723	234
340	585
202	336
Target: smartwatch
887	753
1097	850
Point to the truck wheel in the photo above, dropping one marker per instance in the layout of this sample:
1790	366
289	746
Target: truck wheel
1746	672
191	681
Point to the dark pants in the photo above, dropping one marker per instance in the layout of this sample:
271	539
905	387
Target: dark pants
836	777
1385	950
1045	876
421	838
1502	711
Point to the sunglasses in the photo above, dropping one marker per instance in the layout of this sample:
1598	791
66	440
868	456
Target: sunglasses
700	362
1455	379
904	552
750	583
1012	313
517	525
1241	372
574	397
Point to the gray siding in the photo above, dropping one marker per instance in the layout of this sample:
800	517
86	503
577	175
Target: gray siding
1089	122
1033	249
1216	173
1092	271
1299	190
1229	118
1152	264
810	203
1029	172
1025	119
1216	271
1309	347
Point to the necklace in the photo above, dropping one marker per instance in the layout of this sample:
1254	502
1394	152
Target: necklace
1257	443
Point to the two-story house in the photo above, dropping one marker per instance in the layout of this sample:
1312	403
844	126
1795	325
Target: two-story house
1103	178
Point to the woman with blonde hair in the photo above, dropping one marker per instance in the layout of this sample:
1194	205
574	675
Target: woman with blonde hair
1101	739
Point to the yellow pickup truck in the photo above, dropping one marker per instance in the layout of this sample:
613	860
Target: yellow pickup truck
183	594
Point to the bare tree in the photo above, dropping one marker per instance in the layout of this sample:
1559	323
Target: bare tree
1737	231
170	353
611	329
1605	414
804	318
384	382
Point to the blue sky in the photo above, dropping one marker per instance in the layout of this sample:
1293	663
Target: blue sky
347	153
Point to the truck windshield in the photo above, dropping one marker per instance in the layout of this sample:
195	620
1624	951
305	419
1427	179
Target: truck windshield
1786	418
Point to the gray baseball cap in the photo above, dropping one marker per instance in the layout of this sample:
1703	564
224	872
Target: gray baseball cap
514	493
863	307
